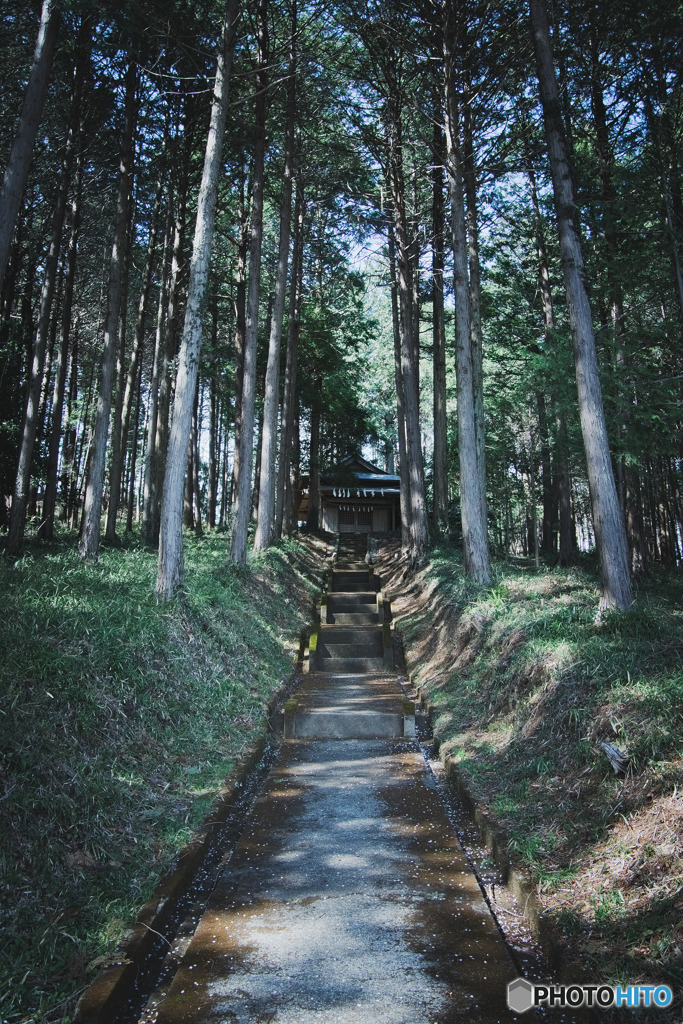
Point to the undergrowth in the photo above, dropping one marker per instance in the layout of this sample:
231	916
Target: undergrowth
527	682
120	720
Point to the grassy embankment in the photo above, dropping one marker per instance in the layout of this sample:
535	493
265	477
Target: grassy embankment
120	719
526	685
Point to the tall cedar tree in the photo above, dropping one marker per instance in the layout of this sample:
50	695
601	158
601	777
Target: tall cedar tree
610	534
268	474
171	567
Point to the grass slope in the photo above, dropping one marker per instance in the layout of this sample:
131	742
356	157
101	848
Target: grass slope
120	719
526	685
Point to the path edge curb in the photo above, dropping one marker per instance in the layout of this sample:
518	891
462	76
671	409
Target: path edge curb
522	886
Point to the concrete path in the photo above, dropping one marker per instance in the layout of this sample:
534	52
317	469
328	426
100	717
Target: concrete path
347	898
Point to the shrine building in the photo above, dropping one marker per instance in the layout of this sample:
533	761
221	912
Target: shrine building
356	497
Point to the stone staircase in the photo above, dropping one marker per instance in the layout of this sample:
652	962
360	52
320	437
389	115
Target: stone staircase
351	636
350	691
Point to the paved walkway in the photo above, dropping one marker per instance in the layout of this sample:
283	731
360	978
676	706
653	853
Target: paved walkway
347	898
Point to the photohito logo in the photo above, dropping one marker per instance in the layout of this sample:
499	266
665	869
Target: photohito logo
523	995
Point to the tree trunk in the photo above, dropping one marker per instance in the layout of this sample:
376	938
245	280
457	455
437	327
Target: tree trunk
470	184
214	455
404	476
548	496
557	498
291	362
83	449
15	538
607	517
472	500
117	443
188	511
169	347
238	551
267	478
50	501
440	471
67	482
134	453
636	526
19	163
313	518
170	574
419	534
90	533
196	490
627	486
150	523
120	429
225	490
291	506
240	327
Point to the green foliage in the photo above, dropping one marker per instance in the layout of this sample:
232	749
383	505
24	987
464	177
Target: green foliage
120	720
527	682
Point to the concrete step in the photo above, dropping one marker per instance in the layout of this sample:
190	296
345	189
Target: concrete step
363	635
355	666
351	602
351	583
349	706
326	651
345	725
352	618
358	546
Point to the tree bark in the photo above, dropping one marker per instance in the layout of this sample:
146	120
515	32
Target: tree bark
150	523
240	327
470	185
116	442
196	489
266	504
120	429
67	482
548	529
557	495
15	537
419	533
19	163
291	361
440	471
90	533
245	455
472	500
188	510
607	517
214	453
169	347
134	453
404	476
313	518
171	569
291	505
50	501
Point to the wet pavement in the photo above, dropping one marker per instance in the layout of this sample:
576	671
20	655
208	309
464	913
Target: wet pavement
347	899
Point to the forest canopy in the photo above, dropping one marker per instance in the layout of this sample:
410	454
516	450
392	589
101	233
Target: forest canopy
241	242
